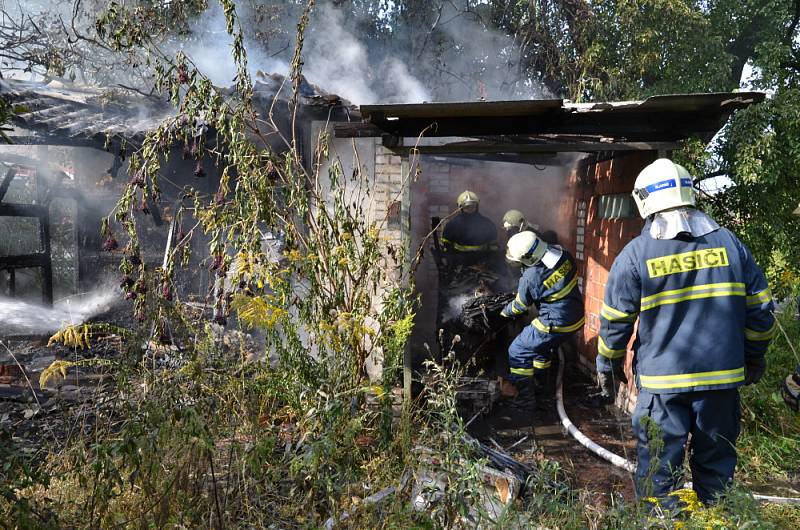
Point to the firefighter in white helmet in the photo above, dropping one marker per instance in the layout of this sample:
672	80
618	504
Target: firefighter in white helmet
469	231
704	323
549	282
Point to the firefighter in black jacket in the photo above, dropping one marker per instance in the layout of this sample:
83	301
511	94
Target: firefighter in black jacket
469	231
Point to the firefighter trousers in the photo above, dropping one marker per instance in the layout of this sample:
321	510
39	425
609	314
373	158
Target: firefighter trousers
532	352
662	424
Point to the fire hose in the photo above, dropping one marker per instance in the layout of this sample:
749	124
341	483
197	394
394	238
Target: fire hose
576	433
614	458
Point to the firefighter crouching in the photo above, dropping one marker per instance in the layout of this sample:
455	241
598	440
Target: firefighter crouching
550	283
705	321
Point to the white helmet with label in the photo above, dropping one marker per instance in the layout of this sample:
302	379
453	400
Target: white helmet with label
525	248
661	186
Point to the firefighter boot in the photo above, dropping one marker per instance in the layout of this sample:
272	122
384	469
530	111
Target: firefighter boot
517	411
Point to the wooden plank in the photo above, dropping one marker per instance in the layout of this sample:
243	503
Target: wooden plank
10	209
550	147
12	172
24	261
357	130
464	109
667	126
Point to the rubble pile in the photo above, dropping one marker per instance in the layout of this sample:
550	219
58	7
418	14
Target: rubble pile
73	395
482	313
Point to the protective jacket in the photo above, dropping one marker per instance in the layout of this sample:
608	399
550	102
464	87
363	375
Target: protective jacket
702	303
469	232
552	287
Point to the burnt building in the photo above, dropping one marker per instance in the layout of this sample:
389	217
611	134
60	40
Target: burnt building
68	165
568	167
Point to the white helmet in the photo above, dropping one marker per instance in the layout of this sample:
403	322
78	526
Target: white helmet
525	248
663	185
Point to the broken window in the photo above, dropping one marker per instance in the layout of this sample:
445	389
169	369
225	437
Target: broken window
616	206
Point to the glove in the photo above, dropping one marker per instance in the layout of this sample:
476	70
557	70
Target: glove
608	380
754	368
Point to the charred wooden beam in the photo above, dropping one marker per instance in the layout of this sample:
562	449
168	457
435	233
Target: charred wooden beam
357	130
12	172
41	259
22	261
549	147
10	209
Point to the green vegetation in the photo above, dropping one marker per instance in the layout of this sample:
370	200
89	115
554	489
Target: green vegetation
769	447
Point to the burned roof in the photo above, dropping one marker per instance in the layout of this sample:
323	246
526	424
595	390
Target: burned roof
58	113
63	113
545	124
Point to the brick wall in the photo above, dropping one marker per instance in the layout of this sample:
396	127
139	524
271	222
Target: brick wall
390	202
603	239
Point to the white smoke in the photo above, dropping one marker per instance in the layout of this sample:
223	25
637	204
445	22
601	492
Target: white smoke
339	62
456	59
408	88
210	47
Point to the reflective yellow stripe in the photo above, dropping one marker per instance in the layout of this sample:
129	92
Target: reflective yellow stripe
541	327
693	293
728	285
615	315
605	351
521	303
720	377
761	297
464	248
558	329
542	365
563	292
751	334
522	371
467	248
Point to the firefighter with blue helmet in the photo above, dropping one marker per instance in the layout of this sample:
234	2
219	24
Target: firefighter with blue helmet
705	319
550	283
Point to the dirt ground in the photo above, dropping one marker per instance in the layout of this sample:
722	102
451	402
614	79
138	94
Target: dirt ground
545	438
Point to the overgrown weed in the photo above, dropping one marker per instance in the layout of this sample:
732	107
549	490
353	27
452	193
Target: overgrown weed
769	446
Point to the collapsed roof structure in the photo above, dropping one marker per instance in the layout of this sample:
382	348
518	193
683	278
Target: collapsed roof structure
115	120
